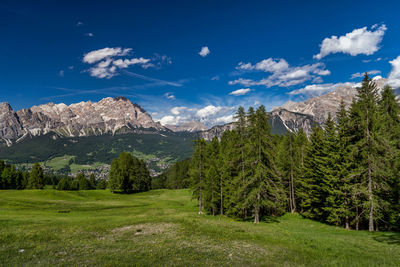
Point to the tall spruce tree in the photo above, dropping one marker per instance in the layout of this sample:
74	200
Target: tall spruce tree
312	206
197	171
368	148
389	109
263	192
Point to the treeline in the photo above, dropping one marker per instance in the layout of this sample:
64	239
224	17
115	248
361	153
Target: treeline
127	174
346	173
176	177
12	178
81	182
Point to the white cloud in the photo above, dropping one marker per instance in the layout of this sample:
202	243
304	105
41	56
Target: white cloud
97	55
320	89
177	110
89	34
71	67
208	111
79	23
169	95
239	92
61	73
394	75
124	63
215	78
267	65
282	75
361	74
168	120
204	51
224	119
359	41
107	64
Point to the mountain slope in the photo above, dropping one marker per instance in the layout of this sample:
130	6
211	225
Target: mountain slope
158	149
108	116
191	126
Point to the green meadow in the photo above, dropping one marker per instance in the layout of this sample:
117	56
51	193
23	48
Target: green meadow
161	227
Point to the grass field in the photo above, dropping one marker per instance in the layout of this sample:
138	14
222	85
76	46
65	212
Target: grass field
161	227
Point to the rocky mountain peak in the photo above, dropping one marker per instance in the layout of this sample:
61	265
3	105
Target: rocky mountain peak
109	115
191	126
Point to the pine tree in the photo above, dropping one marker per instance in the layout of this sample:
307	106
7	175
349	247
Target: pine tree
197	171
36	177
262	191
389	109
314	166
92	181
368	148
212	177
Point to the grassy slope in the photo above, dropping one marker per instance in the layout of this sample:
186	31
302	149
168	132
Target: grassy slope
162	227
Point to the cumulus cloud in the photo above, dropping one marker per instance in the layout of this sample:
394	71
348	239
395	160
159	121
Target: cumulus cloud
361	74
169	95
282	74
107	61
239	92
89	34
267	65
359	41
394	75
320	89
171	120
61	73
208	111
204	51
224	119
97	55
79	23
177	110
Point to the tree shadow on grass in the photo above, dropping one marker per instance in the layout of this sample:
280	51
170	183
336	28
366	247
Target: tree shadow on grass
389	238
264	219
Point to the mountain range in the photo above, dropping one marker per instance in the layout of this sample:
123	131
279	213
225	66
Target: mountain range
113	119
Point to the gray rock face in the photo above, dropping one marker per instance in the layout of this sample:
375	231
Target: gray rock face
10	127
320	106
191	127
216	131
109	115
281	121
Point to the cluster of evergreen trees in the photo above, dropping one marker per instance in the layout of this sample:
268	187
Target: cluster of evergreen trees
176	177
129	174
81	182
12	178
346	173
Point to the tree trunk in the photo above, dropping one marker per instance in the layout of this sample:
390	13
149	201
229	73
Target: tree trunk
200	185
357	218
371	203
257	209
221	207
347	223
370	193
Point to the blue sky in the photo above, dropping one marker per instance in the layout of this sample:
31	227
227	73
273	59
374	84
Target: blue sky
184	60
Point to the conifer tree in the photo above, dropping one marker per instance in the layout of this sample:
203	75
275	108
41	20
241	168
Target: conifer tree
368	147
197	172
36	177
263	192
314	167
